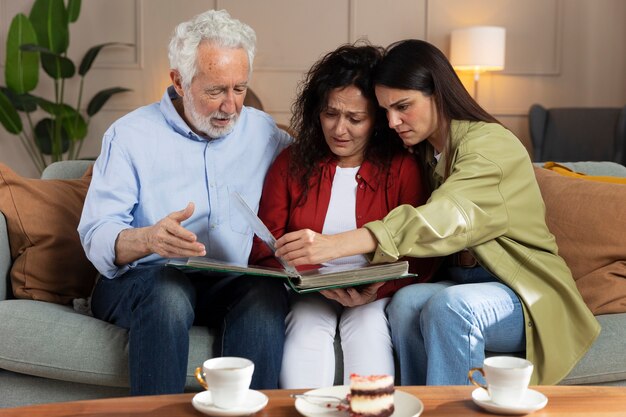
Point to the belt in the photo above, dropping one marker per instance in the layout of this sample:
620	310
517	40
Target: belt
463	259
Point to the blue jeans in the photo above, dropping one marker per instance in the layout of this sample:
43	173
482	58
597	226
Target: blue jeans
441	330
158	305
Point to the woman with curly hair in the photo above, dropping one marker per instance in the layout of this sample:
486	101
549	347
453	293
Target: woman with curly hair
346	168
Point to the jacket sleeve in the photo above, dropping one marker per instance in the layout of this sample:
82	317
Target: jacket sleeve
273	210
411	191
466	210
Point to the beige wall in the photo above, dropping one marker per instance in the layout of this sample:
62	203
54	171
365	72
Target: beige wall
559	52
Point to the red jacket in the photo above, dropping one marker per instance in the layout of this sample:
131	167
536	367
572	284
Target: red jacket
377	194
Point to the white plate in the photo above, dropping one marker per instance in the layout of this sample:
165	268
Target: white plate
255	401
406	405
533	401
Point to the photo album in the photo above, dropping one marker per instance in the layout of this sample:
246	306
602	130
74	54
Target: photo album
326	277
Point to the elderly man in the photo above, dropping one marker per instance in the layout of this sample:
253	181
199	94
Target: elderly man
160	190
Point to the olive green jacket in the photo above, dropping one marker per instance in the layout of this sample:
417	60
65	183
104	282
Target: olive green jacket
492	205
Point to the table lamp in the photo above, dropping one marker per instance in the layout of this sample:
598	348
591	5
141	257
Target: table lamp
478	49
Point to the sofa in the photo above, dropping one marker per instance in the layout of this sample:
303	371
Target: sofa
52	352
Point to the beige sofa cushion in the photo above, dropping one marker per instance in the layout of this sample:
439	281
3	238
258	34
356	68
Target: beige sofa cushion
588	220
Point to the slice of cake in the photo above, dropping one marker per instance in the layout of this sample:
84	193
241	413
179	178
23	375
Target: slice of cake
371	396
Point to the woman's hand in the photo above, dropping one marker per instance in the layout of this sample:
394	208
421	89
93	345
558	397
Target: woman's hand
352	297
306	247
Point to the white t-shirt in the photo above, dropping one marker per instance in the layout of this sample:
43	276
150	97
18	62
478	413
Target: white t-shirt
341	214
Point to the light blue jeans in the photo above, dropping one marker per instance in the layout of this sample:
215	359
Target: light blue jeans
441	330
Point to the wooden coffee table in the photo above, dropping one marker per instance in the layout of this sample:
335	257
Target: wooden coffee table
438	401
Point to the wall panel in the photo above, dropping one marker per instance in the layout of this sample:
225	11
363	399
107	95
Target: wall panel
534	28
384	25
292	35
559	52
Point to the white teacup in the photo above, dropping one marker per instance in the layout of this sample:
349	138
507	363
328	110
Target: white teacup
227	378
507	379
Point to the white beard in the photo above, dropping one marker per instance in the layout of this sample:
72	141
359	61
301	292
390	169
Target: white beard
203	123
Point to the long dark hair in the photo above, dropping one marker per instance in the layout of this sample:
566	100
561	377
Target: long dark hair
418	65
348	65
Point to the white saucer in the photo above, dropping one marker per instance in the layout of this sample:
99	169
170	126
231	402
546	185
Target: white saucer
533	401
406	405
255	401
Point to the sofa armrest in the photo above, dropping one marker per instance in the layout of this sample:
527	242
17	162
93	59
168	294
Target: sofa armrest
598	168
5	258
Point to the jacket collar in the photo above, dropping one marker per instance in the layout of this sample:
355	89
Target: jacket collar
458	131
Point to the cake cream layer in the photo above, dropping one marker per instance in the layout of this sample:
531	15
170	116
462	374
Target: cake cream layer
371	405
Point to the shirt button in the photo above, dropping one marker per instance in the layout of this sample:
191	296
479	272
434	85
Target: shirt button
361	186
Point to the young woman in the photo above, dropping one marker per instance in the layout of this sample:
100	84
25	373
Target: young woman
346	168
519	295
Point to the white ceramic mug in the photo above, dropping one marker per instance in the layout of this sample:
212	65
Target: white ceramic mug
507	379
227	378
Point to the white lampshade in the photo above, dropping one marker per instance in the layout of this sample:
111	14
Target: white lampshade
478	48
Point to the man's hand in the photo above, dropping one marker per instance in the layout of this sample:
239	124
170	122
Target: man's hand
167	238
351	297
171	240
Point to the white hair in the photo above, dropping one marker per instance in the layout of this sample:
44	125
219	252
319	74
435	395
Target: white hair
214	26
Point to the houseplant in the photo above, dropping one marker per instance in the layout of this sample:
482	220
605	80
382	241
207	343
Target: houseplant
42	39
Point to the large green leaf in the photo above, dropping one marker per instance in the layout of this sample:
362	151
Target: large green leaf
47	105
21	70
49	18
58	66
22	102
101	98
9	117
73	10
56	110
55	65
91	55
44	134
74	124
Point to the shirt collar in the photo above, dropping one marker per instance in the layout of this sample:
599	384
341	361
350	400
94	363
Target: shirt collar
171	115
368	172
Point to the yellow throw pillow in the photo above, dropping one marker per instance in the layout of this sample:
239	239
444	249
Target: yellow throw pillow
563	170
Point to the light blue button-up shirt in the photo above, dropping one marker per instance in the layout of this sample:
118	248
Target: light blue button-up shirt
152	164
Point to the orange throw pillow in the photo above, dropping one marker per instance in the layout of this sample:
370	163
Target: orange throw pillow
588	220
49	263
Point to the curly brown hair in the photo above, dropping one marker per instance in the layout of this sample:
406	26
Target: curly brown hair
348	65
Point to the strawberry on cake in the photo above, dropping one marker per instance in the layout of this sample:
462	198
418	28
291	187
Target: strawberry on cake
371	396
